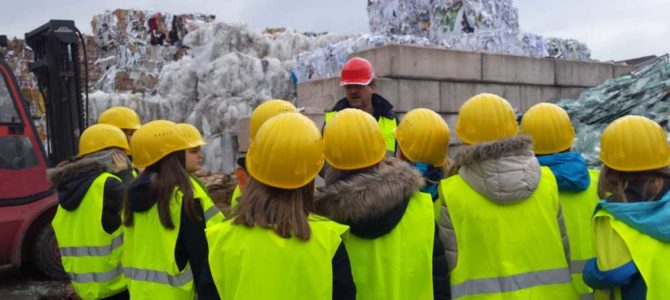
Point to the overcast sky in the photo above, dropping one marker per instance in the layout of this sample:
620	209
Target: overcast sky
613	29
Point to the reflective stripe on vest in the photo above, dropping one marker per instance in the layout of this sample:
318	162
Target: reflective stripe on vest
529	259
399	264
386	125
160	277
148	257
510	283
210	211
90	256
92	250
95	277
651	256
256	263
577	211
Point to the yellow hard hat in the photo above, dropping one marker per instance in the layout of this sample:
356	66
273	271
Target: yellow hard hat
550	128
102	136
155	140
287	152
634	143
353	140
267	110
192	135
121	117
486	118
423	136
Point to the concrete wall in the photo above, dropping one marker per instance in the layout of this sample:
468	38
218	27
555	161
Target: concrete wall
442	80
439	79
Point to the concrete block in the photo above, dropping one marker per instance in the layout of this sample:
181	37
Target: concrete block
454	94
417	93
416	62
582	74
623	70
380	58
512	93
388	88
550	94
570	93
530	95
319	92
451	122
517	69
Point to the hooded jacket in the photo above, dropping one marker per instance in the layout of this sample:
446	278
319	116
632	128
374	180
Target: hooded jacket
73	179
372	202
570	170
649	217
504	172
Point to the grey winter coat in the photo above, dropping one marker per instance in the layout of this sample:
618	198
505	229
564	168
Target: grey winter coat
504	172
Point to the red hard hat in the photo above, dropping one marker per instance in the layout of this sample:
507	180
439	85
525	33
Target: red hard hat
357	71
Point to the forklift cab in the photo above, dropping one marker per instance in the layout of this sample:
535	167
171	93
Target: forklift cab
27	199
23	161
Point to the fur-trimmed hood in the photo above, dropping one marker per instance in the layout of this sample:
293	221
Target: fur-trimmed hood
72	180
74	169
371	202
504	171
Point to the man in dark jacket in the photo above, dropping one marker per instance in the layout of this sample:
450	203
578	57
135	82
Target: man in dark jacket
358	80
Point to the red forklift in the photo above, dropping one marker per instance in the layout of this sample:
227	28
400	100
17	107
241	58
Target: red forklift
28	200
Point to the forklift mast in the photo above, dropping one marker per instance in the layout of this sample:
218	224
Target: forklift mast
57	68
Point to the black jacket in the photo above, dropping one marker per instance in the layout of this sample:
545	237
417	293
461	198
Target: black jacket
191	241
373	202
380	106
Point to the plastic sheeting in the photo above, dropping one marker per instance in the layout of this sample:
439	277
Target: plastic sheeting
229	70
645	92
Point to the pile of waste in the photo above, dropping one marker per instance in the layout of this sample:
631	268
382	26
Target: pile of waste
129	47
472	25
228	70
644	92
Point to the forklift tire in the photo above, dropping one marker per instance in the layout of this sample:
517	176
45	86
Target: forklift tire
45	254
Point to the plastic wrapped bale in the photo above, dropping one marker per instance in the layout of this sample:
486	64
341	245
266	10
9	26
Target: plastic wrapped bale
567	49
100	101
212	41
177	90
645	92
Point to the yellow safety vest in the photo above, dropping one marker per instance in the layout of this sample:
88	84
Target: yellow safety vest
398	265
210	211
148	260
256	263
236	195
578	211
386	125
91	257
509	251
651	257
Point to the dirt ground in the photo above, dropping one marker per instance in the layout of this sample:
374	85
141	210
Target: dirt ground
28	285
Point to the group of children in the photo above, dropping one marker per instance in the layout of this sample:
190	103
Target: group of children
514	215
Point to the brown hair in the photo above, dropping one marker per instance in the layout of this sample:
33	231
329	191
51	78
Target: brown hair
284	211
612	184
166	174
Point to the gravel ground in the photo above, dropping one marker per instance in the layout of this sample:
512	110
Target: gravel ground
27	285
